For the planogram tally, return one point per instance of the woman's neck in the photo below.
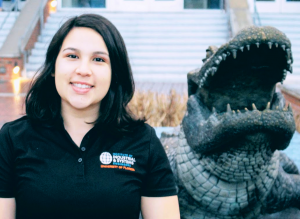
(77, 121)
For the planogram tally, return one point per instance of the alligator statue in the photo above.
(225, 155)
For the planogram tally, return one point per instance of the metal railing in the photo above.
(39, 17)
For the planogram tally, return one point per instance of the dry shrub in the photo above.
(159, 109)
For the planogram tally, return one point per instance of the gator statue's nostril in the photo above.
(225, 155)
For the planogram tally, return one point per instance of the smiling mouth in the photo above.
(82, 86)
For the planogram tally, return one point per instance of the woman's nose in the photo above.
(84, 69)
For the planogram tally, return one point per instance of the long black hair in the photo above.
(43, 103)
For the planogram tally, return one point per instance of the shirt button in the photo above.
(80, 160)
(83, 149)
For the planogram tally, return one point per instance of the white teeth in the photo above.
(270, 45)
(82, 85)
(224, 56)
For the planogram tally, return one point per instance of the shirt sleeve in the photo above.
(160, 181)
(6, 164)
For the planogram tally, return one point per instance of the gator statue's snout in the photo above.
(225, 154)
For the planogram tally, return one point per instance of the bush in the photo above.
(159, 109)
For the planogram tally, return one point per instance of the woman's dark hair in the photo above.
(43, 103)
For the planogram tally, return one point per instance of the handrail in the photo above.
(39, 16)
(256, 15)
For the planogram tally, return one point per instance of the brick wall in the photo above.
(295, 102)
(6, 68)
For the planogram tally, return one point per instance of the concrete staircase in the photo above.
(162, 47)
(7, 20)
(290, 25)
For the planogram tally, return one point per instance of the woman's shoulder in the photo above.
(18, 124)
(143, 129)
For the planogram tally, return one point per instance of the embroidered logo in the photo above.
(119, 161)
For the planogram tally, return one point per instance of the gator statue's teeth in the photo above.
(234, 53)
(238, 50)
(224, 56)
(253, 106)
(270, 45)
(268, 106)
(228, 108)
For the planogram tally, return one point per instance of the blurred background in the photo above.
(165, 40)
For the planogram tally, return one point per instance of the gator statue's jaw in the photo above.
(234, 95)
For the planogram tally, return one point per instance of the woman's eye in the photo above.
(98, 60)
(72, 56)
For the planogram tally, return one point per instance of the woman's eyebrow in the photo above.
(96, 52)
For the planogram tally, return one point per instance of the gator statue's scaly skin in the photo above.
(225, 155)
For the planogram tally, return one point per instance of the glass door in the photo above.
(268, 5)
(203, 4)
(290, 6)
(82, 3)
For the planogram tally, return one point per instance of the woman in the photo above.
(78, 153)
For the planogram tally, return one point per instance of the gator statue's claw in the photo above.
(226, 156)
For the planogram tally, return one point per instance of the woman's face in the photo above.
(82, 70)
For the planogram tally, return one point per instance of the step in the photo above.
(149, 21)
(221, 29)
(2, 38)
(167, 35)
(158, 44)
(4, 32)
(141, 15)
(279, 16)
(7, 26)
(161, 50)
(161, 69)
(153, 42)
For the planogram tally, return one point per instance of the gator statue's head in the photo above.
(238, 82)
(227, 163)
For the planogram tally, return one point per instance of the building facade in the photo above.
(272, 6)
(142, 5)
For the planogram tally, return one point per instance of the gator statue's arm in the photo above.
(226, 156)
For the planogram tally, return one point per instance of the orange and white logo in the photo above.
(117, 161)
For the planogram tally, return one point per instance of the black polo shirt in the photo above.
(51, 177)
